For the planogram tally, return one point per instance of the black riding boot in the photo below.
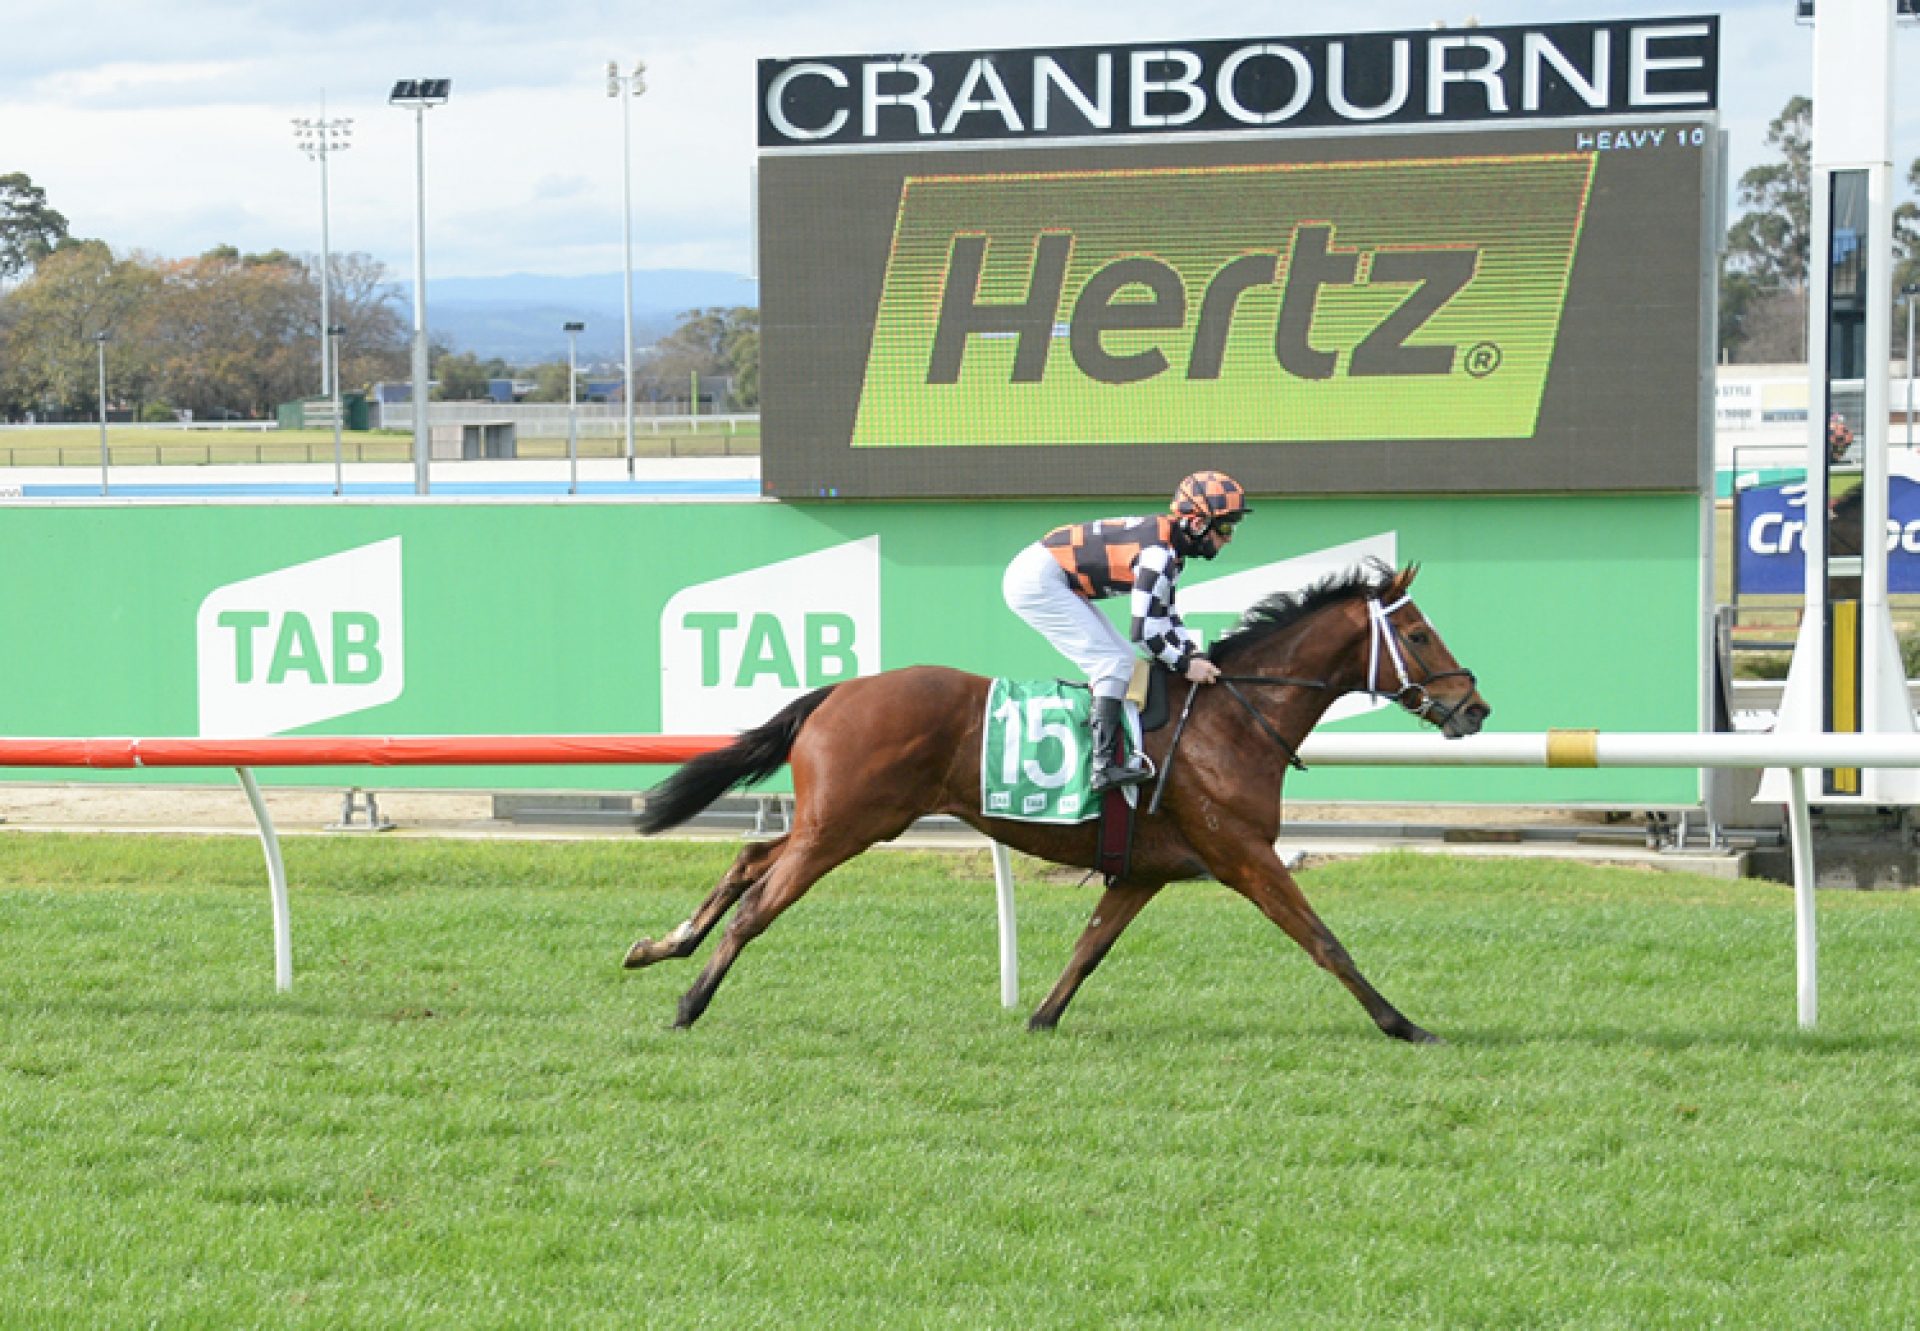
(1108, 767)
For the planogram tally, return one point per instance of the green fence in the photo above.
(546, 618)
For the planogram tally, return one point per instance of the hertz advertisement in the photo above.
(1468, 310)
(1279, 318)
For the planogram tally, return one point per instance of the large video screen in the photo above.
(1481, 310)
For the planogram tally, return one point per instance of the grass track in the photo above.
(467, 1116)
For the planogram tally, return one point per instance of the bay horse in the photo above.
(873, 754)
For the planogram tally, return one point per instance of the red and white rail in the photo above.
(1797, 753)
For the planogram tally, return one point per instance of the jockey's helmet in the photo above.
(1207, 497)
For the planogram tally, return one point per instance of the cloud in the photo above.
(164, 126)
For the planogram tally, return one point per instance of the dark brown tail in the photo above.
(752, 758)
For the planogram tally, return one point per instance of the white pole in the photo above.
(1908, 291)
(1806, 965)
(421, 451)
(321, 147)
(276, 884)
(339, 480)
(1009, 927)
(320, 139)
(573, 418)
(100, 343)
(627, 89)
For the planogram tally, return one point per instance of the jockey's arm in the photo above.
(1156, 627)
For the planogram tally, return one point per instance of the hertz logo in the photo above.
(1106, 304)
(1354, 300)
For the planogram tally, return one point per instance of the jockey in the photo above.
(1052, 583)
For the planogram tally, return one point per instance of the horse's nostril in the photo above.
(1479, 711)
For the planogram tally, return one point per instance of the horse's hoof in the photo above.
(1416, 1035)
(640, 954)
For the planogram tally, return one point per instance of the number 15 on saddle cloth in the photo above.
(1035, 759)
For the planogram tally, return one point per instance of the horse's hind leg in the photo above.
(749, 867)
(1115, 911)
(1257, 874)
(804, 863)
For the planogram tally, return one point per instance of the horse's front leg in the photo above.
(1251, 868)
(1115, 911)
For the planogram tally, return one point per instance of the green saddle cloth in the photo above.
(1035, 763)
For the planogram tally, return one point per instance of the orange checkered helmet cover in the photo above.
(1207, 496)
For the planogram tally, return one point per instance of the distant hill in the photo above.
(518, 317)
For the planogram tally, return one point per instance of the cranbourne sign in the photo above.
(1462, 262)
(1399, 79)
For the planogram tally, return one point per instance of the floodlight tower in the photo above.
(319, 139)
(633, 85)
(421, 95)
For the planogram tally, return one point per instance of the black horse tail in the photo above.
(756, 755)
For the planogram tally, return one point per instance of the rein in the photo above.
(1413, 695)
(1173, 745)
(1293, 754)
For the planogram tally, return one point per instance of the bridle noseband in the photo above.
(1412, 694)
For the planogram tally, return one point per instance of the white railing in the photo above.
(1797, 753)
(548, 420)
(182, 426)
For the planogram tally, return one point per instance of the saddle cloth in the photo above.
(1035, 758)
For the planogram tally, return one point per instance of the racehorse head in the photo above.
(1386, 647)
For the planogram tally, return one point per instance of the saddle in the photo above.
(1148, 692)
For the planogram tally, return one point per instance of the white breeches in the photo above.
(1037, 590)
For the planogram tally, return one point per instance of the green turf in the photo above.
(467, 1116)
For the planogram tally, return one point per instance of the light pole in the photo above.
(420, 94)
(634, 84)
(573, 415)
(319, 140)
(1910, 290)
(100, 347)
(334, 333)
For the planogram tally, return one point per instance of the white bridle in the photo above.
(1411, 694)
(1382, 634)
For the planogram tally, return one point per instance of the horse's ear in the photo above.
(1401, 581)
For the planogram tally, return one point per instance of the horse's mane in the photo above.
(1283, 610)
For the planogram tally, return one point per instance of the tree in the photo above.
(463, 376)
(1765, 276)
(375, 346)
(221, 335)
(228, 330)
(550, 383)
(743, 360)
(29, 229)
(238, 334)
(713, 343)
(1763, 287)
(1769, 241)
(48, 353)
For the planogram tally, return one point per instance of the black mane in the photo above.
(1282, 610)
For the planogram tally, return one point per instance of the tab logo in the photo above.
(303, 644)
(736, 650)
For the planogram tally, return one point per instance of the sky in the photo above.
(165, 127)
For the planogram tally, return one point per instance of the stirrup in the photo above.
(1137, 770)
